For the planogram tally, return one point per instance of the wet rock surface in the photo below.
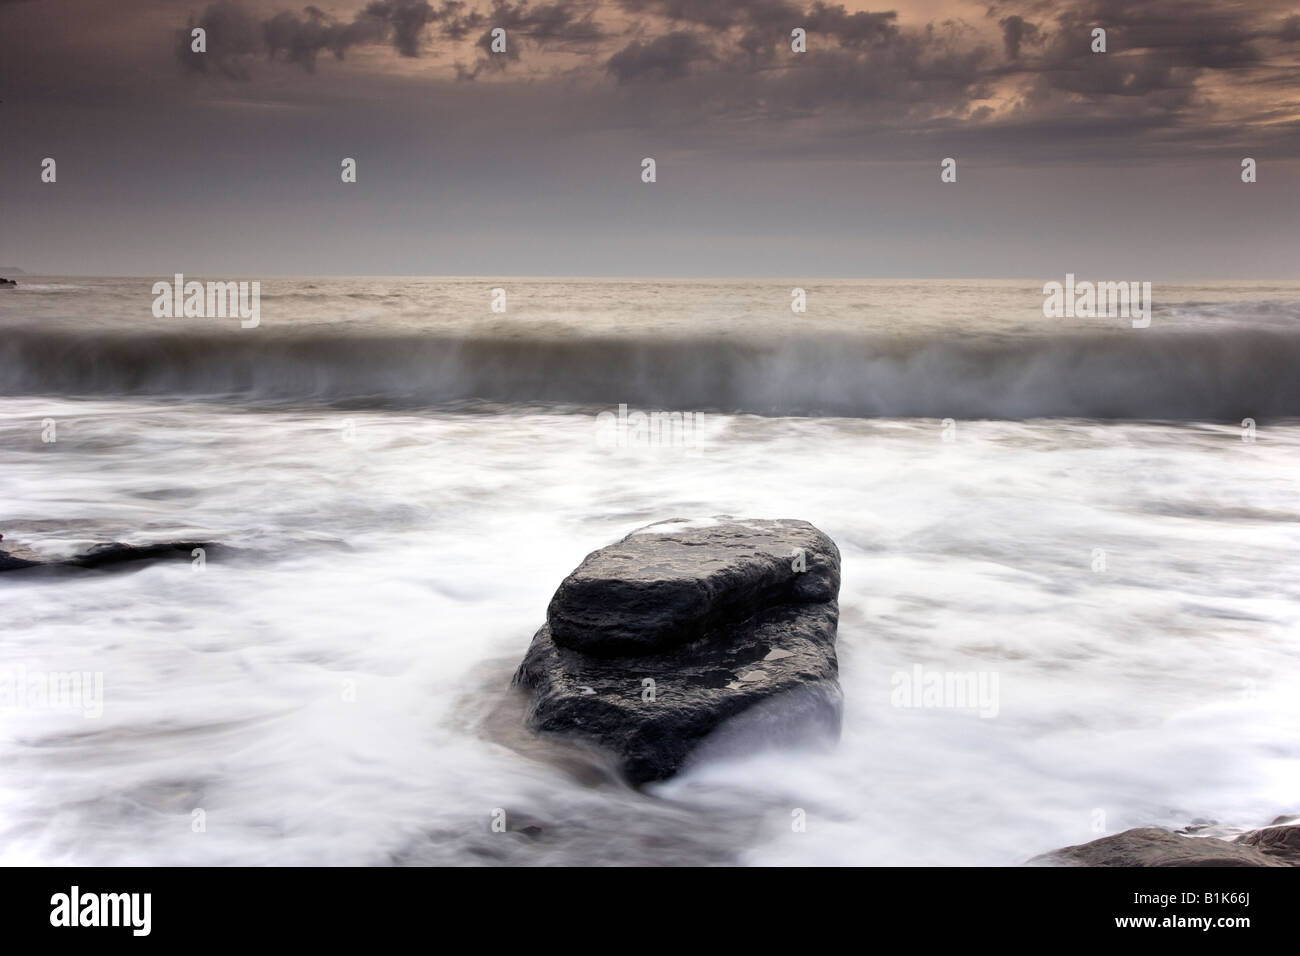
(657, 641)
(109, 555)
(1149, 846)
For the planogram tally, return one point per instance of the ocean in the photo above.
(1103, 521)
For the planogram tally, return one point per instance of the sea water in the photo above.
(1073, 513)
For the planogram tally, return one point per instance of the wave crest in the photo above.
(1189, 375)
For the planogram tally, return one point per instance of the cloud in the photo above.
(235, 35)
(854, 31)
(567, 24)
(561, 22)
(232, 36)
(715, 14)
(402, 20)
(1015, 31)
(663, 58)
(1171, 66)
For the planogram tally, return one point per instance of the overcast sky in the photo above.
(1119, 165)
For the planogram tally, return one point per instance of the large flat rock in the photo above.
(672, 582)
(655, 642)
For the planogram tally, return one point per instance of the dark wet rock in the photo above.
(14, 557)
(1154, 847)
(115, 552)
(660, 639)
(7, 283)
(107, 555)
(672, 582)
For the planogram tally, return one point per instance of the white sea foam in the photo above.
(413, 563)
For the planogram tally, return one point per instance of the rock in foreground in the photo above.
(658, 639)
(1281, 840)
(1271, 846)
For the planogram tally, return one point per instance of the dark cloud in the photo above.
(1171, 69)
(663, 58)
(774, 18)
(457, 22)
(561, 25)
(855, 31)
(1015, 31)
(234, 34)
(562, 22)
(1025, 64)
(301, 39)
(404, 20)
(708, 13)
(1157, 53)
(748, 36)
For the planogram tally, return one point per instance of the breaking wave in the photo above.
(1156, 376)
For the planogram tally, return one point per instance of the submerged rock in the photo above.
(654, 642)
(1272, 846)
(115, 552)
(108, 554)
(14, 557)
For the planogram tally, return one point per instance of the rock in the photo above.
(115, 552)
(1280, 842)
(671, 583)
(16, 557)
(654, 642)
(1154, 847)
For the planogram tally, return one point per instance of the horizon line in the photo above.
(634, 277)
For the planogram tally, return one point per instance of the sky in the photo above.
(769, 163)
